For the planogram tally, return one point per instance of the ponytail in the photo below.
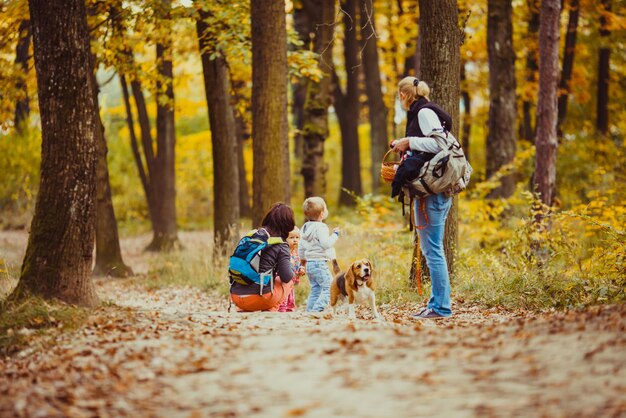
(412, 89)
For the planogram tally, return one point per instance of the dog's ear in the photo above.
(350, 278)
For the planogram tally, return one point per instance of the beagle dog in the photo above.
(355, 285)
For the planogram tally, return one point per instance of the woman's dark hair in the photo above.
(279, 220)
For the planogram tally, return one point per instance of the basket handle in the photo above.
(386, 154)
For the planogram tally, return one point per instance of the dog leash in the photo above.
(416, 254)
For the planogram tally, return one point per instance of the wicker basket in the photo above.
(388, 169)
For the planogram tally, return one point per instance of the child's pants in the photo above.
(320, 279)
(289, 304)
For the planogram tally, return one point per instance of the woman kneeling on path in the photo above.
(278, 222)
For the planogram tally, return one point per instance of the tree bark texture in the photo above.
(441, 71)
(224, 141)
(373, 88)
(347, 109)
(532, 67)
(546, 142)
(109, 259)
(59, 254)
(163, 177)
(271, 179)
(315, 128)
(502, 102)
(22, 107)
(602, 112)
(568, 61)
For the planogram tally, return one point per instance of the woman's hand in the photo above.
(400, 145)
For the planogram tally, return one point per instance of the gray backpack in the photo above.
(447, 172)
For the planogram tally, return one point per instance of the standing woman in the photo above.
(278, 222)
(423, 118)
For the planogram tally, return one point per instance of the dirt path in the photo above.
(177, 352)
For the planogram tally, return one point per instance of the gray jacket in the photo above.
(317, 242)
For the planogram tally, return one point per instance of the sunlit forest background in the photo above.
(580, 258)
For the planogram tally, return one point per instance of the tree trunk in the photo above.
(224, 140)
(22, 107)
(347, 109)
(373, 88)
(143, 175)
(528, 132)
(568, 62)
(163, 178)
(546, 143)
(602, 121)
(315, 130)
(244, 190)
(302, 25)
(441, 70)
(108, 252)
(502, 103)
(59, 254)
(271, 180)
(467, 114)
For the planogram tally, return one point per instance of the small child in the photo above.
(289, 304)
(316, 249)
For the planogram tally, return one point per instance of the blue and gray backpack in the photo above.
(243, 267)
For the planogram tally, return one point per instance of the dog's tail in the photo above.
(336, 268)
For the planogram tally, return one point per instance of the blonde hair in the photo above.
(313, 208)
(412, 88)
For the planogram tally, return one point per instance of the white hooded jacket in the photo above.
(316, 242)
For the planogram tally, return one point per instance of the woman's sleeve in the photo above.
(326, 239)
(417, 143)
(284, 269)
(428, 122)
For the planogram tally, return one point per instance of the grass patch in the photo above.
(194, 266)
(24, 322)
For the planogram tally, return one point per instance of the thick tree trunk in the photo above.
(59, 254)
(373, 87)
(163, 177)
(602, 112)
(347, 109)
(224, 140)
(568, 62)
(546, 143)
(108, 252)
(467, 114)
(271, 180)
(441, 71)
(315, 129)
(528, 131)
(502, 103)
(22, 107)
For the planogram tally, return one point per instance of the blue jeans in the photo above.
(431, 244)
(320, 279)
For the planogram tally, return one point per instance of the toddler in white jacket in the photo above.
(315, 250)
